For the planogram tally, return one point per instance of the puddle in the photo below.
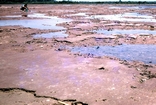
(133, 7)
(39, 15)
(34, 15)
(47, 22)
(51, 35)
(78, 14)
(146, 7)
(134, 17)
(144, 53)
(125, 32)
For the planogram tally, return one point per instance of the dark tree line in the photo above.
(21, 1)
(71, 2)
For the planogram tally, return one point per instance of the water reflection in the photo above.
(78, 14)
(135, 17)
(39, 23)
(34, 15)
(144, 53)
(46, 22)
(125, 32)
(133, 7)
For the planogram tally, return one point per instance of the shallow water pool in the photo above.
(125, 32)
(144, 53)
(133, 17)
(42, 22)
(133, 7)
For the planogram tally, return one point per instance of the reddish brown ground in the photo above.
(36, 72)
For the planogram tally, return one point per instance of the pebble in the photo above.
(133, 87)
(48, 100)
(138, 69)
(41, 46)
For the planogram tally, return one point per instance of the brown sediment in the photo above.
(44, 70)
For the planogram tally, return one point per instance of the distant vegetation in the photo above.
(66, 2)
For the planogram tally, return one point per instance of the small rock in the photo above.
(117, 22)
(48, 100)
(98, 47)
(110, 29)
(142, 80)
(133, 87)
(28, 42)
(41, 46)
(151, 27)
(59, 49)
(101, 68)
(119, 43)
(104, 99)
(138, 69)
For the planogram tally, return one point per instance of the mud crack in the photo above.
(60, 101)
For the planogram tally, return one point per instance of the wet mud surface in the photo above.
(61, 55)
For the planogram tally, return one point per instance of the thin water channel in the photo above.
(138, 52)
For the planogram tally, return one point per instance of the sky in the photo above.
(108, 0)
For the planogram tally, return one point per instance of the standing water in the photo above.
(133, 17)
(144, 53)
(42, 22)
(125, 32)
